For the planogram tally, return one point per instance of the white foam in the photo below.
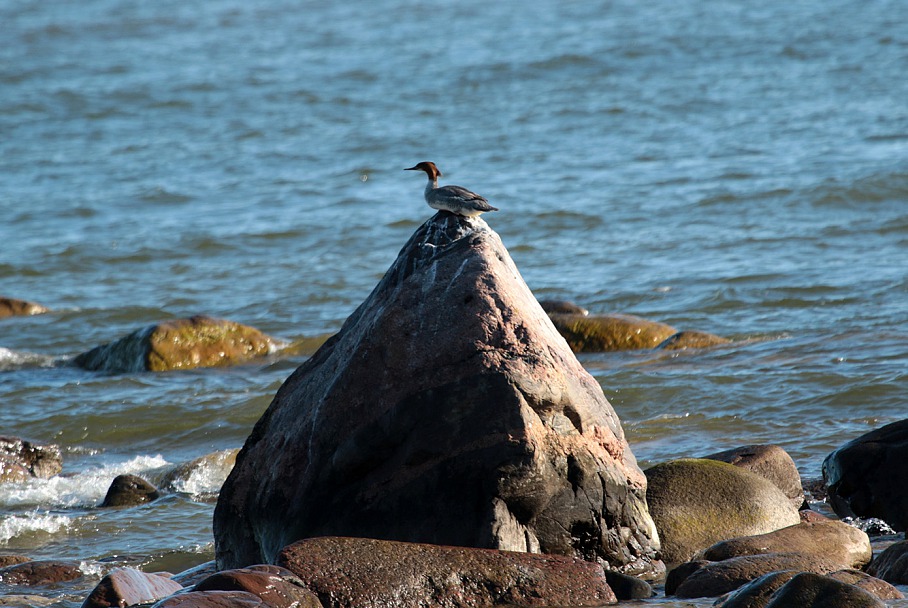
(14, 526)
(208, 477)
(12, 360)
(84, 489)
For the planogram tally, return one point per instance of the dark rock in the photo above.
(446, 410)
(876, 586)
(40, 572)
(11, 307)
(684, 340)
(867, 476)
(127, 587)
(366, 573)
(758, 592)
(892, 564)
(697, 502)
(837, 542)
(679, 573)
(717, 578)
(605, 333)
(213, 599)
(562, 307)
(810, 590)
(193, 575)
(42, 461)
(627, 587)
(771, 462)
(278, 587)
(198, 341)
(129, 491)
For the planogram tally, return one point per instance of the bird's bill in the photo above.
(417, 168)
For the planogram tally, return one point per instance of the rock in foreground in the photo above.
(697, 502)
(448, 410)
(198, 341)
(363, 573)
(127, 587)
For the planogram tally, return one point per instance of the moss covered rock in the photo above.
(697, 502)
(198, 341)
(692, 339)
(603, 333)
(11, 307)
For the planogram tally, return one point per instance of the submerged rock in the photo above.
(562, 307)
(447, 410)
(198, 341)
(769, 461)
(127, 587)
(18, 456)
(867, 476)
(604, 333)
(40, 572)
(697, 502)
(11, 307)
(692, 339)
(363, 572)
(129, 491)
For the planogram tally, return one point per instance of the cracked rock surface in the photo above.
(447, 410)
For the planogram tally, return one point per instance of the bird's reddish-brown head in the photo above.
(427, 166)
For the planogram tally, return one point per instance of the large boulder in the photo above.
(198, 341)
(11, 307)
(604, 333)
(769, 461)
(369, 573)
(697, 502)
(867, 476)
(833, 540)
(447, 410)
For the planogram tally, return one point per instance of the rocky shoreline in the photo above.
(446, 448)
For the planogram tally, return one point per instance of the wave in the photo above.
(12, 360)
(85, 489)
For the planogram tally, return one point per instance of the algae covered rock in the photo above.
(447, 410)
(198, 341)
(769, 461)
(11, 307)
(684, 340)
(604, 333)
(697, 502)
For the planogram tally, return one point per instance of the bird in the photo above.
(455, 199)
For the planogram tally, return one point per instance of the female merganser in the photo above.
(451, 198)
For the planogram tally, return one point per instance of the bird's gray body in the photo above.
(455, 199)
